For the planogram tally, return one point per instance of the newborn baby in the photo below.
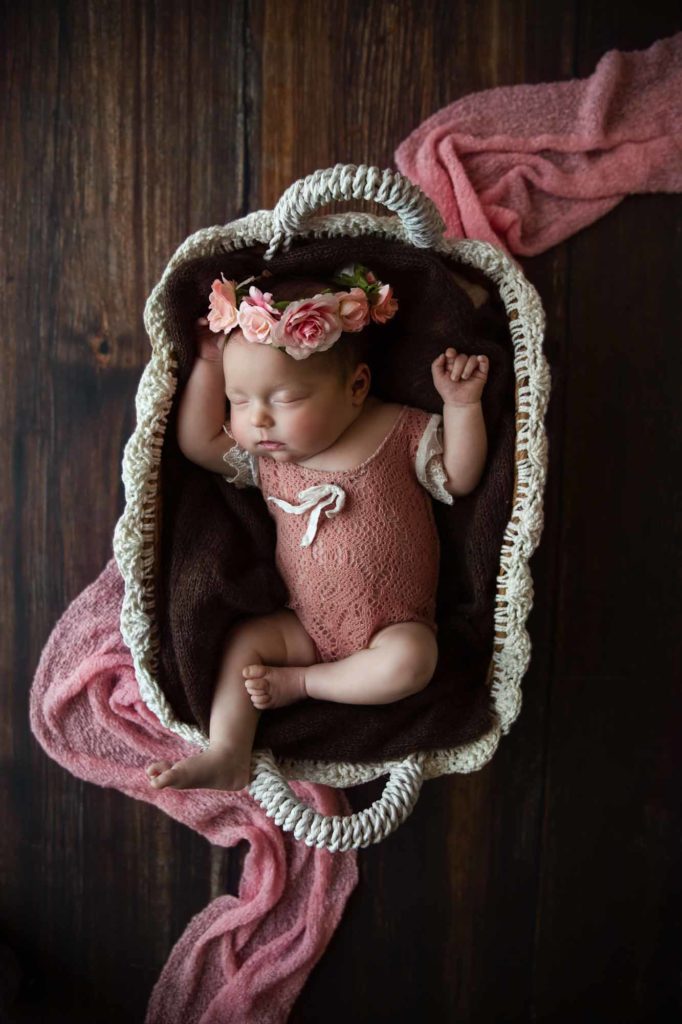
(348, 480)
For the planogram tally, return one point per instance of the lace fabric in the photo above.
(243, 464)
(429, 465)
(357, 548)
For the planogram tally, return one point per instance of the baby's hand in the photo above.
(459, 379)
(209, 345)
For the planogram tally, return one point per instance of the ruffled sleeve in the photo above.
(429, 461)
(242, 466)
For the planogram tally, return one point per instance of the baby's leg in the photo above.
(400, 660)
(225, 764)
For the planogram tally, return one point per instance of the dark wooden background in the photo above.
(545, 887)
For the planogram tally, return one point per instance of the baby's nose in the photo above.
(260, 416)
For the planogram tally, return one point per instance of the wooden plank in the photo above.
(103, 136)
(611, 831)
(608, 936)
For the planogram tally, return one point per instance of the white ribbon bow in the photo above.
(315, 499)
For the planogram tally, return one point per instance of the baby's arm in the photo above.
(460, 379)
(201, 412)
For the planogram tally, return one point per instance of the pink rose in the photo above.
(382, 305)
(222, 306)
(256, 323)
(257, 316)
(353, 309)
(308, 325)
(257, 298)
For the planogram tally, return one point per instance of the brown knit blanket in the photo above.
(215, 552)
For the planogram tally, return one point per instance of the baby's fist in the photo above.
(209, 345)
(459, 379)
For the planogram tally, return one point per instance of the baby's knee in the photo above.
(277, 638)
(423, 663)
(257, 636)
(412, 657)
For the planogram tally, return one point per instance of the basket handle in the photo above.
(336, 832)
(422, 221)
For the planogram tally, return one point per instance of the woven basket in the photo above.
(415, 222)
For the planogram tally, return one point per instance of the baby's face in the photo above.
(274, 398)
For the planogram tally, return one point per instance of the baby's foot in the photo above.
(274, 686)
(214, 768)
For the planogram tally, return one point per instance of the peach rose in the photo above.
(382, 305)
(353, 309)
(222, 306)
(256, 323)
(257, 316)
(308, 325)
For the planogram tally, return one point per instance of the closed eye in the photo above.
(278, 401)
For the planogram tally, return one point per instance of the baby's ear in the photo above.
(361, 382)
(363, 374)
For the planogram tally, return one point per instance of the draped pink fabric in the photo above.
(525, 166)
(244, 958)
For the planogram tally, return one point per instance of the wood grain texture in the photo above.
(544, 887)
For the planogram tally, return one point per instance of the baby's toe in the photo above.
(260, 700)
(165, 778)
(156, 767)
(257, 685)
(253, 671)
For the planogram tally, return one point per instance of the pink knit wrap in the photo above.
(243, 958)
(525, 166)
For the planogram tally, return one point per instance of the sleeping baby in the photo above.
(349, 481)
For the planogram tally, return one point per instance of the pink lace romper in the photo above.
(372, 559)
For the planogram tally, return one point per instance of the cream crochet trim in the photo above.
(242, 462)
(431, 475)
(135, 532)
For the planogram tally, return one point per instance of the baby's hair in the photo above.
(352, 348)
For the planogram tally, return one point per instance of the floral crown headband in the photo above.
(302, 326)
